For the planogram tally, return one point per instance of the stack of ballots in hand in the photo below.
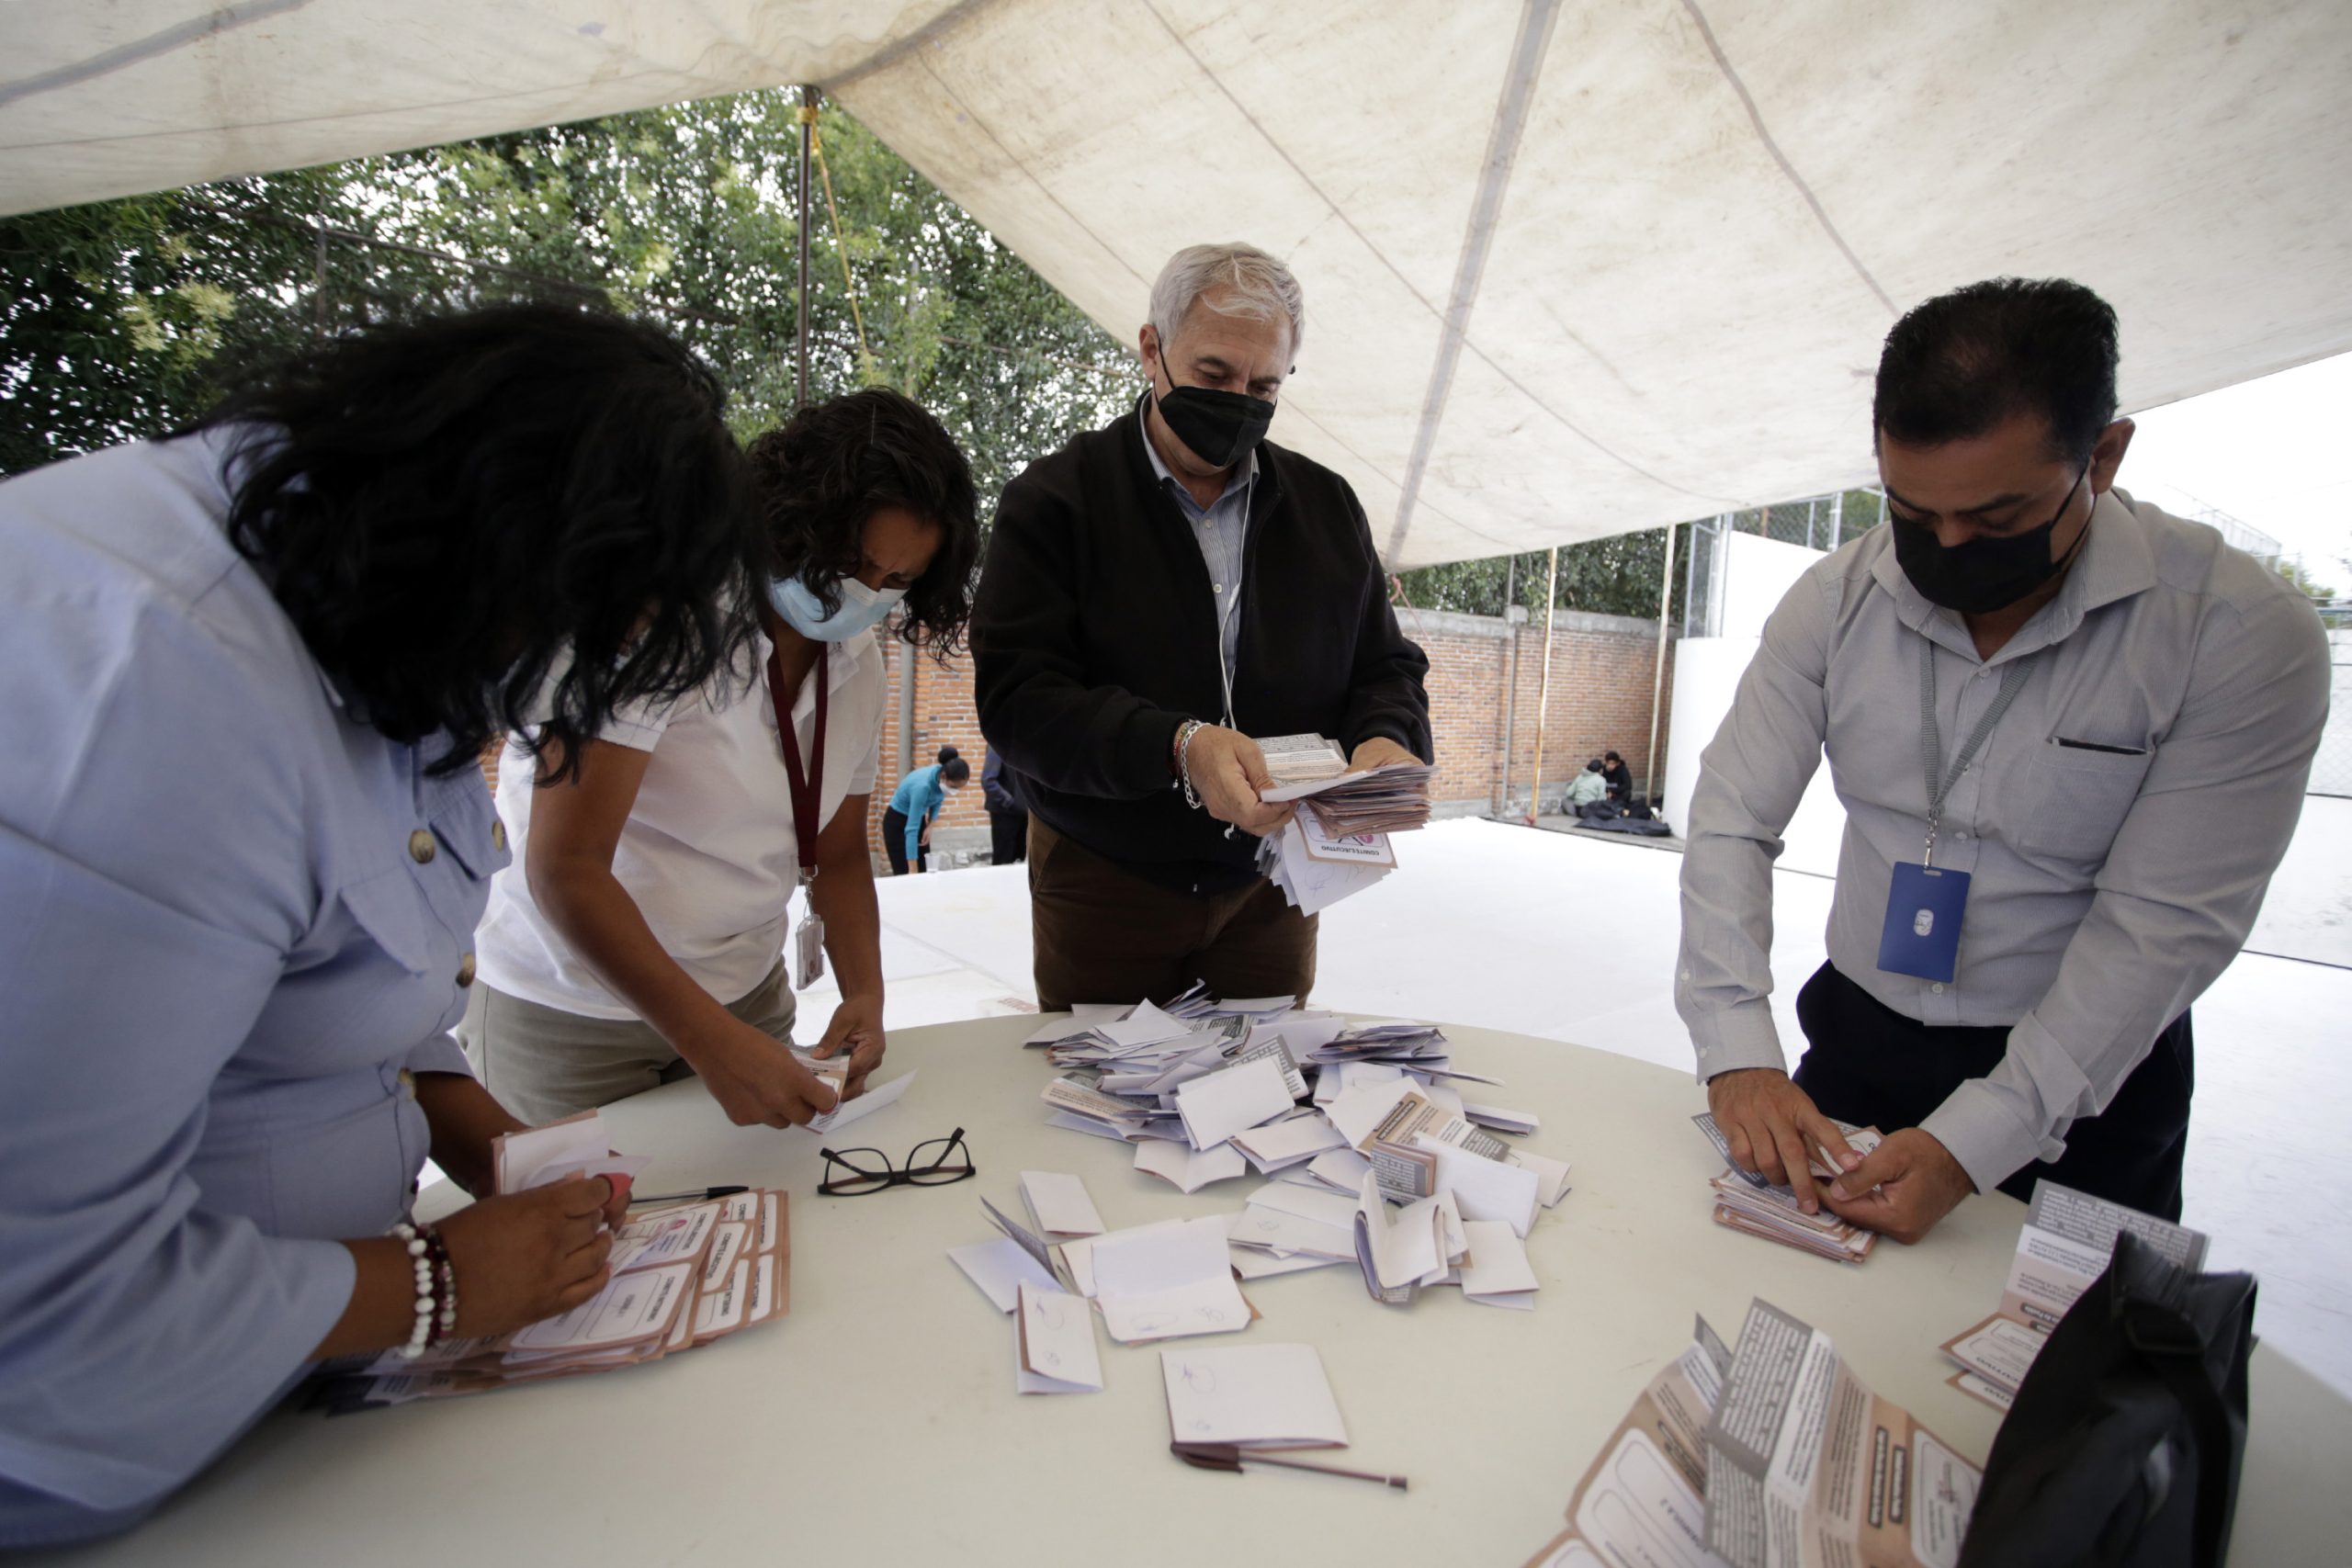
(1225, 1089)
(1336, 841)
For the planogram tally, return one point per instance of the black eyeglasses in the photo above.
(853, 1173)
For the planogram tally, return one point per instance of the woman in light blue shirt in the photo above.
(921, 795)
(244, 677)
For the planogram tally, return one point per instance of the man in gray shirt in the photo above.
(2071, 734)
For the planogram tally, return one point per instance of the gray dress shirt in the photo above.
(2109, 887)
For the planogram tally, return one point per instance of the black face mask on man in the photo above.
(1219, 428)
(1984, 574)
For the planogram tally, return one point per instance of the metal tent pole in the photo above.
(1510, 679)
(808, 131)
(1543, 691)
(1657, 675)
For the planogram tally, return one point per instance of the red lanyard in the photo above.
(807, 792)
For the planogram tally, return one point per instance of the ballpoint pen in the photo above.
(703, 1196)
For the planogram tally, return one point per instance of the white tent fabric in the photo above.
(1571, 270)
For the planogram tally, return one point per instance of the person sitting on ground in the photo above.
(637, 941)
(921, 795)
(1588, 792)
(1619, 778)
(245, 842)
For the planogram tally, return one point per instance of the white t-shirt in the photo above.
(708, 851)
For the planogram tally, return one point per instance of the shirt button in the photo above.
(466, 970)
(1216, 587)
(497, 833)
(1938, 987)
(1962, 837)
(420, 847)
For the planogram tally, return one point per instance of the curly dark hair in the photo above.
(517, 518)
(837, 463)
(1958, 365)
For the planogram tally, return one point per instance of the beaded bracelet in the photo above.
(419, 1256)
(444, 1275)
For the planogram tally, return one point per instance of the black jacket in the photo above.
(1094, 635)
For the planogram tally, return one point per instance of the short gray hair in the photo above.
(1259, 287)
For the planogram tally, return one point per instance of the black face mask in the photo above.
(1219, 428)
(1984, 574)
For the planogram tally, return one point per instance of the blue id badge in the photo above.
(1923, 913)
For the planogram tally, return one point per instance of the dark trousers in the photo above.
(1101, 933)
(1007, 836)
(1867, 1063)
(894, 842)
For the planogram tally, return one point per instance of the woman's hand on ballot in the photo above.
(755, 1080)
(529, 1256)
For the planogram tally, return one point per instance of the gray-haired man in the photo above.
(1156, 593)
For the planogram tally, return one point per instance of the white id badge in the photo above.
(808, 952)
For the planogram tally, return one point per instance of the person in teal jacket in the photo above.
(906, 826)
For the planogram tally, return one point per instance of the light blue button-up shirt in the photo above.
(220, 949)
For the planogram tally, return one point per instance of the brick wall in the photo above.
(1602, 672)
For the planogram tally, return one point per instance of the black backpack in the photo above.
(2125, 1444)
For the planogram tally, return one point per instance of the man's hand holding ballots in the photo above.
(1341, 813)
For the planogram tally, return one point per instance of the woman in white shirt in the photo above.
(636, 938)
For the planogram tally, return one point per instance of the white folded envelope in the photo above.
(1485, 1188)
(1497, 1272)
(1057, 1201)
(1191, 1169)
(1219, 1104)
(1053, 1344)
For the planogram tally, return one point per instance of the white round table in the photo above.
(878, 1423)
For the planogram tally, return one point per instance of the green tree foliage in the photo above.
(126, 317)
(1619, 576)
(1616, 576)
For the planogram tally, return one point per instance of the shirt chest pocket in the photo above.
(2072, 801)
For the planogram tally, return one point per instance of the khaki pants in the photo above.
(1101, 933)
(543, 1064)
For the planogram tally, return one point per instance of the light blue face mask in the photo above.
(805, 613)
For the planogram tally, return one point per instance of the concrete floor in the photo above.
(1569, 937)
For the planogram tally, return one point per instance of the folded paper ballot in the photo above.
(1485, 1188)
(1416, 1246)
(1312, 881)
(1259, 1396)
(1188, 1169)
(1290, 1141)
(1648, 1484)
(1220, 1104)
(1053, 1343)
(1805, 1464)
(1749, 1203)
(1497, 1272)
(999, 1267)
(1058, 1203)
(560, 1151)
(1167, 1282)
(880, 1097)
(2063, 1248)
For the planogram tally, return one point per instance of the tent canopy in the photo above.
(1571, 270)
